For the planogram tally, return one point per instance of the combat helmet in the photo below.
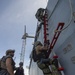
(21, 63)
(38, 43)
(9, 51)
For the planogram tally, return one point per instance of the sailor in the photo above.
(20, 70)
(43, 62)
(7, 63)
(40, 13)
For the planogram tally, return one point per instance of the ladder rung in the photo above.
(55, 56)
(46, 28)
(60, 69)
(47, 33)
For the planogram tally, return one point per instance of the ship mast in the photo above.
(22, 55)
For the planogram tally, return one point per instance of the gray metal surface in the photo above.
(60, 11)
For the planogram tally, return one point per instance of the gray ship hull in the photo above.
(60, 11)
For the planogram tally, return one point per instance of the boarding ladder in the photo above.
(54, 40)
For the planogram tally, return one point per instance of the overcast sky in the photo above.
(14, 14)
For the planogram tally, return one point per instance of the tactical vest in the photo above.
(41, 55)
(3, 62)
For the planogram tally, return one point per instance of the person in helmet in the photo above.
(20, 70)
(7, 63)
(39, 14)
(42, 61)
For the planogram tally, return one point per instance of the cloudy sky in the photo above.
(14, 15)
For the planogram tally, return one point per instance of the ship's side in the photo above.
(60, 12)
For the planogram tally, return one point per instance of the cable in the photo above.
(69, 23)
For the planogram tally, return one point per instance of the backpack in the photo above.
(34, 56)
(2, 62)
